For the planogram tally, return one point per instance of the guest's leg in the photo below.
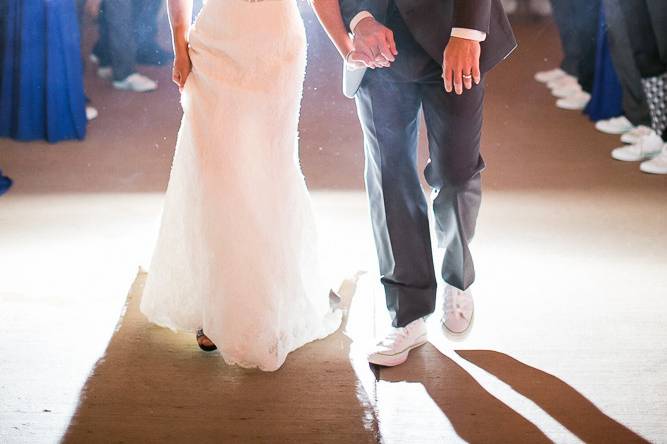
(658, 85)
(586, 16)
(563, 11)
(634, 100)
(642, 38)
(389, 113)
(101, 48)
(657, 10)
(119, 19)
(146, 28)
(642, 16)
(454, 125)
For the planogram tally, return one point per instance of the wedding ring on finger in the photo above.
(467, 76)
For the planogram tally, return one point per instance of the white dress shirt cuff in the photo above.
(359, 17)
(470, 34)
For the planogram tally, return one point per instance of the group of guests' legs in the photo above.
(629, 97)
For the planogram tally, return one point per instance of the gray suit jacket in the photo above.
(431, 23)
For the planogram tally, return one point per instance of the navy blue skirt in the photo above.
(41, 73)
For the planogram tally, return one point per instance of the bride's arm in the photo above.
(329, 14)
(180, 18)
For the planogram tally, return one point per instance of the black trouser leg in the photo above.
(635, 106)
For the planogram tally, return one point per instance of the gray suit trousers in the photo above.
(389, 107)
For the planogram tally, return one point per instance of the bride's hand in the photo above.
(358, 60)
(181, 69)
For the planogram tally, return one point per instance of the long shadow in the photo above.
(554, 396)
(475, 415)
(156, 386)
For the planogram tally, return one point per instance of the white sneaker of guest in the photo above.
(561, 82)
(567, 90)
(647, 147)
(91, 112)
(634, 135)
(105, 72)
(394, 348)
(510, 6)
(615, 125)
(541, 7)
(459, 310)
(575, 102)
(550, 76)
(657, 165)
(137, 83)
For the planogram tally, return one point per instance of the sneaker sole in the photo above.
(612, 131)
(634, 159)
(651, 171)
(570, 107)
(398, 359)
(125, 88)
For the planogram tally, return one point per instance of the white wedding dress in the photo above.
(236, 253)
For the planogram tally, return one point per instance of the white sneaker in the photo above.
(646, 148)
(567, 90)
(657, 165)
(560, 82)
(634, 135)
(394, 348)
(575, 102)
(93, 58)
(615, 125)
(551, 75)
(510, 6)
(459, 310)
(105, 72)
(137, 83)
(91, 112)
(540, 7)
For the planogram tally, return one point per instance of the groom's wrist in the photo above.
(358, 18)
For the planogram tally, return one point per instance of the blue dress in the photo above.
(607, 96)
(41, 73)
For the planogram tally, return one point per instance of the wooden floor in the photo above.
(569, 341)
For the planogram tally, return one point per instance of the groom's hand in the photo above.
(461, 64)
(376, 41)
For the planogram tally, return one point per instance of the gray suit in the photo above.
(388, 103)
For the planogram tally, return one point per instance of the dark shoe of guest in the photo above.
(5, 184)
(204, 342)
(154, 56)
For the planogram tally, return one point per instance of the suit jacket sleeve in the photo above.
(472, 14)
(350, 8)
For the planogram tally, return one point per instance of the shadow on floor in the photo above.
(562, 402)
(156, 386)
(477, 416)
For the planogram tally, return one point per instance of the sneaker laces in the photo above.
(394, 335)
(454, 303)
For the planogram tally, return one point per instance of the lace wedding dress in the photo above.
(236, 253)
